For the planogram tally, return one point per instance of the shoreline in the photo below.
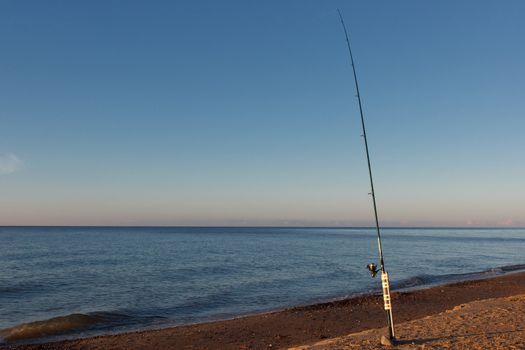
(301, 324)
(412, 284)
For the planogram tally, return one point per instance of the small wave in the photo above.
(56, 326)
(513, 268)
(411, 282)
(8, 288)
(429, 280)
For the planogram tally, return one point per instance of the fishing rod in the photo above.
(372, 267)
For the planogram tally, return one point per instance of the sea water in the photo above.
(89, 280)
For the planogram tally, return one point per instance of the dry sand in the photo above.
(465, 329)
(488, 324)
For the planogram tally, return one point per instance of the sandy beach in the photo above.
(487, 324)
(424, 318)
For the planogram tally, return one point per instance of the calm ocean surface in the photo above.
(140, 277)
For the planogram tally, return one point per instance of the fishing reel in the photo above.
(373, 269)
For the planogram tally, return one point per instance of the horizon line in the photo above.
(272, 226)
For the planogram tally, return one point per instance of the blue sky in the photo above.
(243, 113)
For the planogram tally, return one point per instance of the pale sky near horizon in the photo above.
(243, 113)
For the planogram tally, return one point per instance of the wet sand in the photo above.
(308, 324)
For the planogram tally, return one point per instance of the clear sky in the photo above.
(243, 112)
